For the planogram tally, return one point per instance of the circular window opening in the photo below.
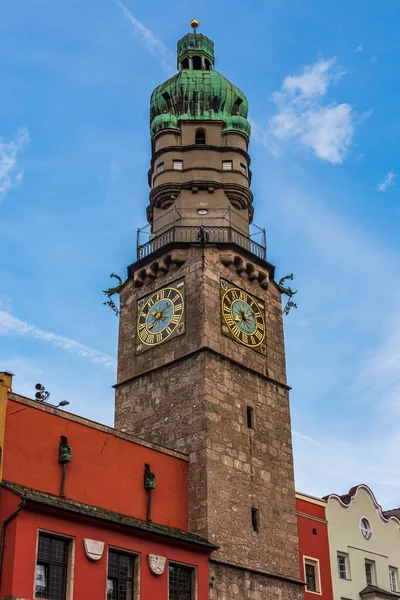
(202, 211)
(366, 529)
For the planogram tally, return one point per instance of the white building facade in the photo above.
(364, 547)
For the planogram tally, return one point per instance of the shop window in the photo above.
(51, 568)
(177, 165)
(120, 576)
(180, 582)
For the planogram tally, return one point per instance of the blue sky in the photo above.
(323, 91)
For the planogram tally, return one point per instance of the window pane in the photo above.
(125, 590)
(113, 564)
(111, 595)
(125, 566)
(310, 578)
(44, 548)
(180, 582)
(41, 581)
(56, 582)
(58, 551)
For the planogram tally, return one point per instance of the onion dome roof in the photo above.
(198, 92)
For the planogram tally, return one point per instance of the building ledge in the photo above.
(373, 591)
(37, 497)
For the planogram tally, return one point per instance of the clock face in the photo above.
(242, 317)
(160, 316)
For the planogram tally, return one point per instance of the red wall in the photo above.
(105, 470)
(314, 546)
(90, 577)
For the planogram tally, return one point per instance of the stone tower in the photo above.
(201, 364)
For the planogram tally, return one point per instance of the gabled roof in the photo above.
(346, 500)
(374, 590)
(30, 495)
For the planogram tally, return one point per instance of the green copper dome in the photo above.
(198, 92)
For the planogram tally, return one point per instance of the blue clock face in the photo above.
(160, 316)
(244, 316)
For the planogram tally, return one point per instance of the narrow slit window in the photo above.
(177, 165)
(250, 417)
(227, 165)
(243, 168)
(393, 578)
(160, 167)
(255, 519)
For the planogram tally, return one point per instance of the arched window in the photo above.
(200, 136)
(185, 63)
(197, 63)
(236, 106)
(207, 64)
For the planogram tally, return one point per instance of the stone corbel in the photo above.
(162, 266)
(240, 265)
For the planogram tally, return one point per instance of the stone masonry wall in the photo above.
(192, 393)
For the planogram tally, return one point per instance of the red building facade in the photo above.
(314, 558)
(85, 528)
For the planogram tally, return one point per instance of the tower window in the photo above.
(255, 519)
(167, 99)
(207, 64)
(185, 63)
(250, 418)
(227, 165)
(177, 165)
(200, 136)
(160, 167)
(197, 63)
(243, 168)
(235, 108)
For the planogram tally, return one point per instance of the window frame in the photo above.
(70, 562)
(370, 563)
(345, 556)
(194, 578)
(135, 571)
(175, 163)
(394, 570)
(366, 528)
(313, 562)
(227, 162)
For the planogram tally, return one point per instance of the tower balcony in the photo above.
(204, 232)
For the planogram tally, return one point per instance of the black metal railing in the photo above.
(203, 235)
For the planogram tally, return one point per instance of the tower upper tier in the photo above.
(197, 92)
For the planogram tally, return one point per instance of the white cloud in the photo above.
(387, 182)
(359, 48)
(10, 324)
(325, 128)
(9, 149)
(153, 43)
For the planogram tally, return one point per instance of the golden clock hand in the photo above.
(150, 326)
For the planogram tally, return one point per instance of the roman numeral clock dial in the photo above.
(160, 316)
(243, 317)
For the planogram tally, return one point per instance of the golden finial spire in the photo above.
(194, 23)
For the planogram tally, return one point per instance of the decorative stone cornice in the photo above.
(162, 265)
(240, 265)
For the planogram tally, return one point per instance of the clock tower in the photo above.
(201, 364)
